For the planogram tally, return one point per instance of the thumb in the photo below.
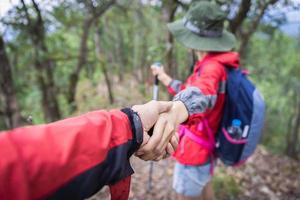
(164, 106)
(154, 71)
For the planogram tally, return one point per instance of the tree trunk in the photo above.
(47, 87)
(43, 64)
(143, 61)
(137, 41)
(289, 132)
(120, 54)
(241, 15)
(11, 109)
(100, 56)
(169, 9)
(244, 45)
(245, 33)
(292, 150)
(74, 77)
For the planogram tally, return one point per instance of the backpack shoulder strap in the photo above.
(208, 144)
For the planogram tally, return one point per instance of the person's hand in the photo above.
(150, 112)
(170, 149)
(161, 74)
(164, 140)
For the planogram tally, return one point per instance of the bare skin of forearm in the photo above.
(165, 79)
(180, 111)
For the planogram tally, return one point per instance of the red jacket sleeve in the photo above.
(201, 93)
(209, 78)
(38, 160)
(175, 86)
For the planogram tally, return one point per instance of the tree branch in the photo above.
(183, 5)
(26, 12)
(253, 26)
(83, 49)
(241, 15)
(38, 11)
(246, 34)
(101, 10)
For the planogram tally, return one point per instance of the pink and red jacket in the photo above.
(69, 159)
(203, 94)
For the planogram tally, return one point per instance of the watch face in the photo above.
(138, 128)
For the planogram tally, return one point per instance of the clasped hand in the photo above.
(165, 117)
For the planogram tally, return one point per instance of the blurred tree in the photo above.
(11, 111)
(293, 131)
(101, 58)
(35, 28)
(274, 61)
(169, 9)
(94, 10)
(243, 30)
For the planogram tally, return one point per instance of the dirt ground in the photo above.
(263, 177)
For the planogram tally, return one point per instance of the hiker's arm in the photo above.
(201, 95)
(71, 157)
(36, 160)
(173, 86)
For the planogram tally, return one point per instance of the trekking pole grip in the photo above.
(156, 64)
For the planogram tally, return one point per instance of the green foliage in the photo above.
(225, 187)
(274, 62)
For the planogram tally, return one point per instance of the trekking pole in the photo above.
(155, 97)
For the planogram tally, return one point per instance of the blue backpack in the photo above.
(243, 101)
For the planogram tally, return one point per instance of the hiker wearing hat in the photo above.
(203, 94)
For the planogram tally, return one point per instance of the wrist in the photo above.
(181, 111)
(165, 79)
(136, 128)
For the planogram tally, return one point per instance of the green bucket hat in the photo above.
(202, 29)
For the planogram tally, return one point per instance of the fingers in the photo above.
(164, 139)
(162, 156)
(150, 150)
(164, 106)
(154, 70)
(169, 131)
(150, 111)
(159, 144)
(158, 134)
(170, 149)
(148, 156)
(146, 138)
(174, 142)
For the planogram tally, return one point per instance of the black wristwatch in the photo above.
(136, 127)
